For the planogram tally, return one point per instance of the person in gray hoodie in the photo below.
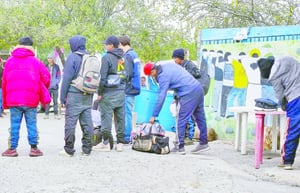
(112, 98)
(78, 104)
(284, 75)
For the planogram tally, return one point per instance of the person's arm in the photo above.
(162, 93)
(129, 66)
(69, 71)
(58, 75)
(278, 88)
(44, 74)
(104, 73)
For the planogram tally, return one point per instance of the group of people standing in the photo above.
(25, 76)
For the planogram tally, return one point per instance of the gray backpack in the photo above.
(89, 74)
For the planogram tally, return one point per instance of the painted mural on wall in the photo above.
(235, 74)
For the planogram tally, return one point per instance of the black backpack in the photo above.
(200, 75)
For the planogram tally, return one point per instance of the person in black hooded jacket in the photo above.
(112, 98)
(78, 104)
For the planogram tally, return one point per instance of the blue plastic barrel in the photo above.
(144, 107)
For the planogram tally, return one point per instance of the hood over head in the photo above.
(78, 43)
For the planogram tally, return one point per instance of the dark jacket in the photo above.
(200, 75)
(55, 76)
(132, 65)
(109, 64)
(72, 66)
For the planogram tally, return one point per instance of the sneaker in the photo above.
(102, 147)
(119, 147)
(64, 153)
(200, 148)
(286, 166)
(176, 150)
(46, 117)
(35, 152)
(56, 117)
(10, 153)
(188, 141)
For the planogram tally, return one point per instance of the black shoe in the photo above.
(111, 141)
(97, 137)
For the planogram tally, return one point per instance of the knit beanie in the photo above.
(51, 56)
(179, 53)
(26, 41)
(265, 66)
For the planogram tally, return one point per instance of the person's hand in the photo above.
(99, 98)
(152, 120)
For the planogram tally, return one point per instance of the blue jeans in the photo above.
(192, 128)
(16, 115)
(129, 106)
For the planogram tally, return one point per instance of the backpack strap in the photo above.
(78, 71)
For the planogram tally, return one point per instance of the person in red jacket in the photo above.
(22, 81)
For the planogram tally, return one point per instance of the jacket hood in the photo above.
(77, 44)
(282, 66)
(117, 52)
(21, 51)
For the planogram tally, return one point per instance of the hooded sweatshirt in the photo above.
(22, 78)
(72, 66)
(174, 77)
(285, 78)
(109, 66)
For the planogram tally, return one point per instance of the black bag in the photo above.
(198, 74)
(152, 143)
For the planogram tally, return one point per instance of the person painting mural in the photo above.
(283, 74)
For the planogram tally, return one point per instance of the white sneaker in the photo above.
(102, 147)
(46, 117)
(56, 117)
(119, 147)
(64, 153)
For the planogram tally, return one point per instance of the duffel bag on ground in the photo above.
(152, 144)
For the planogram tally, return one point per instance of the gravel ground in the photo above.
(219, 170)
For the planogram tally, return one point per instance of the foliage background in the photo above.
(156, 27)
